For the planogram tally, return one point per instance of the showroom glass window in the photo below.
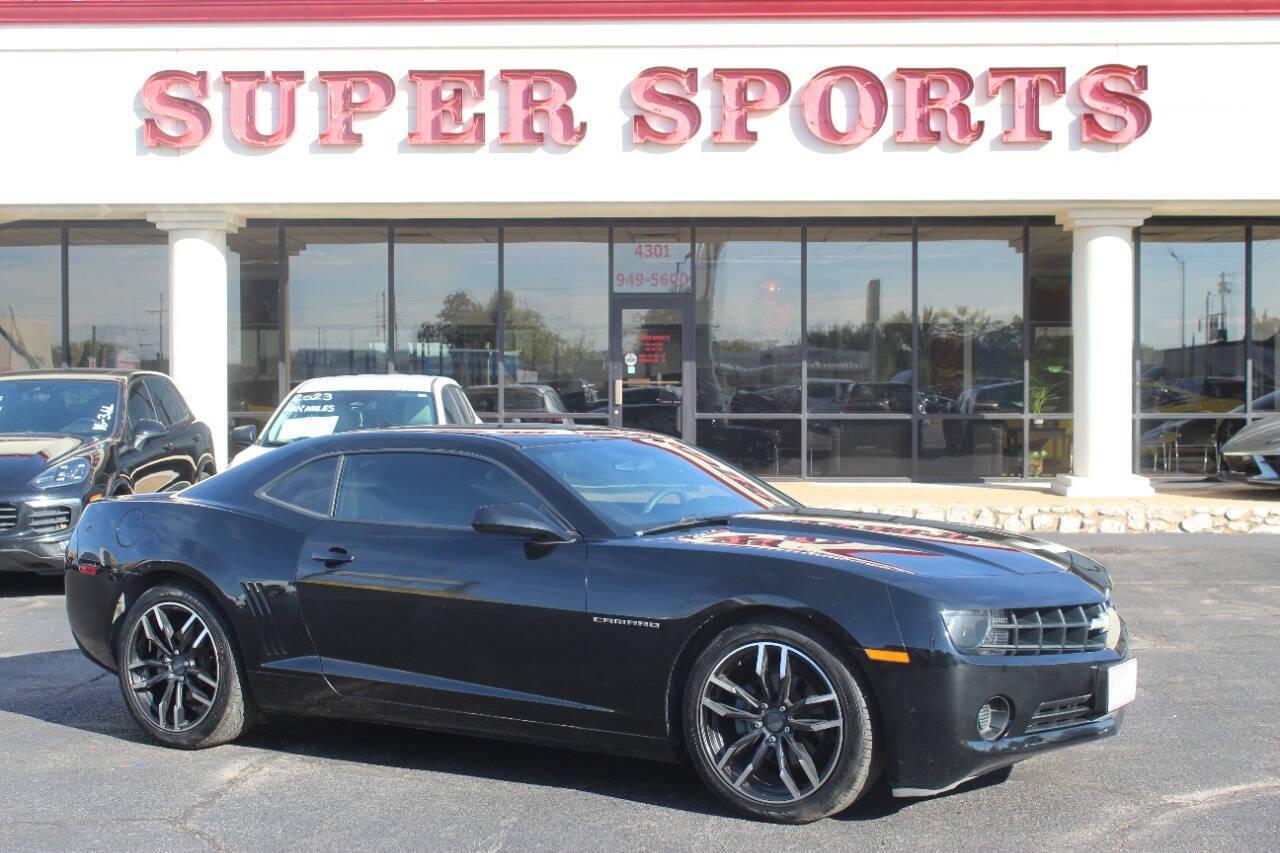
(858, 286)
(119, 296)
(337, 300)
(1265, 317)
(652, 258)
(255, 293)
(970, 358)
(1049, 356)
(30, 298)
(556, 313)
(1191, 332)
(446, 302)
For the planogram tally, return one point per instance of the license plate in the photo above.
(1122, 684)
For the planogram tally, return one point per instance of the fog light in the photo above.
(993, 718)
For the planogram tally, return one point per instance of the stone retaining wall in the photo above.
(1101, 518)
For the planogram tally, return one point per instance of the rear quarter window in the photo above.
(308, 488)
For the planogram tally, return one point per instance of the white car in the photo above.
(343, 403)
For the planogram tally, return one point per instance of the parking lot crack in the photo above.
(1179, 806)
(246, 774)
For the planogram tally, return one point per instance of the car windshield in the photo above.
(646, 481)
(307, 415)
(84, 407)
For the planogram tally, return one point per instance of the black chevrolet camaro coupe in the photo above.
(71, 437)
(603, 589)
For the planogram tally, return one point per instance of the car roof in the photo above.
(519, 435)
(375, 382)
(115, 373)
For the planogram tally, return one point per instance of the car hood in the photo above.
(23, 457)
(1262, 438)
(892, 544)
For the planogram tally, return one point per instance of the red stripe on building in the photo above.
(248, 11)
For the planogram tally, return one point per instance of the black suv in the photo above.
(70, 437)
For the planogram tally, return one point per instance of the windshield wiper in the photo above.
(687, 521)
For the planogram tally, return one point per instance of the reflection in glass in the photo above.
(30, 298)
(337, 300)
(1188, 445)
(1049, 309)
(1048, 447)
(859, 335)
(857, 448)
(1265, 316)
(1192, 318)
(119, 309)
(971, 317)
(447, 302)
(748, 319)
(766, 448)
(652, 258)
(969, 448)
(653, 369)
(253, 334)
(557, 311)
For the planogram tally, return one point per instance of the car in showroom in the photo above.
(333, 404)
(1252, 455)
(71, 437)
(603, 589)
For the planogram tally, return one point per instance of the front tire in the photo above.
(179, 672)
(778, 726)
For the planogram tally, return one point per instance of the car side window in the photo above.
(138, 406)
(168, 401)
(434, 489)
(309, 488)
(453, 413)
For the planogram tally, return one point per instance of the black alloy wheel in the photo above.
(179, 674)
(777, 725)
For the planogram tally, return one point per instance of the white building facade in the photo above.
(823, 239)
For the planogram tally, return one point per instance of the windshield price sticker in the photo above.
(102, 422)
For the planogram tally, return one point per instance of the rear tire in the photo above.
(793, 745)
(181, 677)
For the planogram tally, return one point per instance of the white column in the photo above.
(198, 313)
(1102, 332)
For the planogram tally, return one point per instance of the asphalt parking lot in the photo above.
(1196, 767)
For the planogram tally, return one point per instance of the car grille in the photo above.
(8, 517)
(1061, 713)
(49, 519)
(1242, 465)
(1048, 631)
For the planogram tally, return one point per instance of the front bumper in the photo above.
(1249, 469)
(932, 703)
(34, 531)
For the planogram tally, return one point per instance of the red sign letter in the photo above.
(815, 103)
(1026, 99)
(243, 98)
(678, 109)
(341, 87)
(1133, 113)
(432, 107)
(736, 102)
(193, 117)
(523, 105)
(918, 103)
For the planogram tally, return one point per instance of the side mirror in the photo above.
(518, 520)
(243, 436)
(146, 429)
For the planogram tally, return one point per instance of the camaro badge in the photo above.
(633, 623)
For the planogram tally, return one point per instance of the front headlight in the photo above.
(969, 630)
(67, 473)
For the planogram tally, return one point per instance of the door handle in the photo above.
(334, 557)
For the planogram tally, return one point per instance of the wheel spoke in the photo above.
(166, 627)
(162, 710)
(784, 677)
(203, 676)
(182, 632)
(153, 636)
(737, 689)
(814, 700)
(814, 725)
(151, 682)
(179, 712)
(736, 747)
(199, 695)
(751, 766)
(804, 759)
(728, 711)
(146, 662)
(784, 772)
(204, 635)
(762, 667)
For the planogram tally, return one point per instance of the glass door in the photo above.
(652, 364)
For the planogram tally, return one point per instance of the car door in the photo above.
(407, 603)
(184, 435)
(147, 462)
